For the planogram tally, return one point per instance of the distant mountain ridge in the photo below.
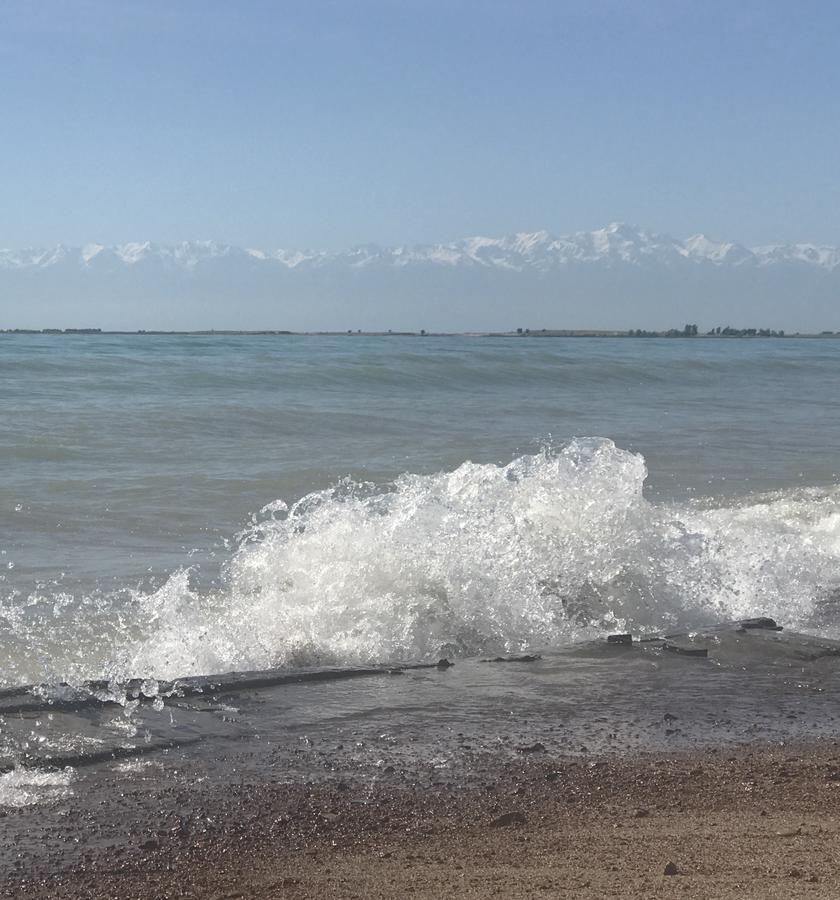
(615, 277)
(615, 244)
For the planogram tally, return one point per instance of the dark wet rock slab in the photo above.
(160, 768)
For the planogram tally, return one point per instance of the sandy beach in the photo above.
(627, 770)
(756, 821)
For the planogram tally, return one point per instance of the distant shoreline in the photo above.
(743, 334)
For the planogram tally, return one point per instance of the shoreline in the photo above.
(583, 772)
(758, 820)
(529, 333)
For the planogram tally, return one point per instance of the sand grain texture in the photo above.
(756, 822)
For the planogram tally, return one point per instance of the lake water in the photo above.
(178, 505)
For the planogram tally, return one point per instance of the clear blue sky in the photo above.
(316, 123)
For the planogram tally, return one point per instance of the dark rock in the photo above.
(685, 651)
(619, 638)
(640, 813)
(671, 869)
(444, 663)
(507, 819)
(518, 659)
(760, 622)
(532, 748)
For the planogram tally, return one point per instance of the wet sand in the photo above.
(701, 765)
(756, 821)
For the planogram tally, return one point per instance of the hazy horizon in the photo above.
(199, 238)
(617, 277)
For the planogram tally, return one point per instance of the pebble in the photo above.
(509, 818)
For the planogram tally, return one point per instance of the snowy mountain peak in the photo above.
(132, 253)
(89, 251)
(616, 244)
(701, 247)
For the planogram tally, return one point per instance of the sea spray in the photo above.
(553, 547)
(24, 787)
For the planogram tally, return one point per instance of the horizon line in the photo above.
(716, 332)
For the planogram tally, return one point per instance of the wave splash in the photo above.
(551, 548)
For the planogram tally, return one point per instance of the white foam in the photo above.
(551, 548)
(23, 787)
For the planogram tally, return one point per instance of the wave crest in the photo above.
(550, 548)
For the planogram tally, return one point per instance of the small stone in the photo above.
(509, 818)
(532, 748)
(685, 651)
(795, 873)
(671, 869)
(760, 622)
(789, 832)
(640, 813)
(526, 657)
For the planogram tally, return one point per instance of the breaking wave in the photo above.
(553, 547)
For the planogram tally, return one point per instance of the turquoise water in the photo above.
(135, 468)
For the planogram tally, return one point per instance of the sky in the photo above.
(329, 124)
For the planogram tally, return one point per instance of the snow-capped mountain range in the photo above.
(615, 277)
(617, 244)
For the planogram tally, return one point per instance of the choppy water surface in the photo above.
(183, 505)
(178, 507)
